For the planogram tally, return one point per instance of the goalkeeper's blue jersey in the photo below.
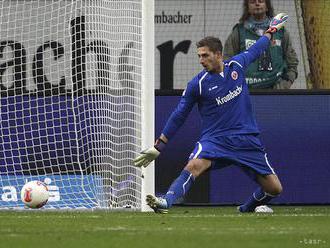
(223, 99)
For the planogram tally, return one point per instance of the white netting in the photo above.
(70, 77)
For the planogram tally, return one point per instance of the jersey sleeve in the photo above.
(181, 112)
(244, 59)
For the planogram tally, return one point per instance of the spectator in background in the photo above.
(277, 66)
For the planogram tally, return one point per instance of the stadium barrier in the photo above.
(295, 132)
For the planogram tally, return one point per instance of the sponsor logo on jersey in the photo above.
(231, 95)
(234, 75)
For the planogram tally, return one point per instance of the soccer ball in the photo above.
(34, 194)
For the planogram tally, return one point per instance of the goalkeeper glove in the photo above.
(277, 23)
(149, 155)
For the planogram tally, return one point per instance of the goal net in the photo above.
(75, 80)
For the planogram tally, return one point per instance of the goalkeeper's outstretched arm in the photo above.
(175, 121)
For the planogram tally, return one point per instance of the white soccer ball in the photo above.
(34, 194)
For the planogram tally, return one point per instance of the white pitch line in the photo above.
(246, 215)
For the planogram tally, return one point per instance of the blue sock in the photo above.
(259, 197)
(179, 187)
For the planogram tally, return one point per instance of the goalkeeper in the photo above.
(229, 129)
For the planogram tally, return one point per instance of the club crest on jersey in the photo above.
(234, 75)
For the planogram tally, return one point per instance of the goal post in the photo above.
(148, 85)
(77, 101)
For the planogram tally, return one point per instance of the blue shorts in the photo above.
(245, 151)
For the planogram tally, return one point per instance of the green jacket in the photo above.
(286, 61)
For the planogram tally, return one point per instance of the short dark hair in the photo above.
(213, 43)
(246, 15)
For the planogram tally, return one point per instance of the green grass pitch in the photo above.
(202, 227)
